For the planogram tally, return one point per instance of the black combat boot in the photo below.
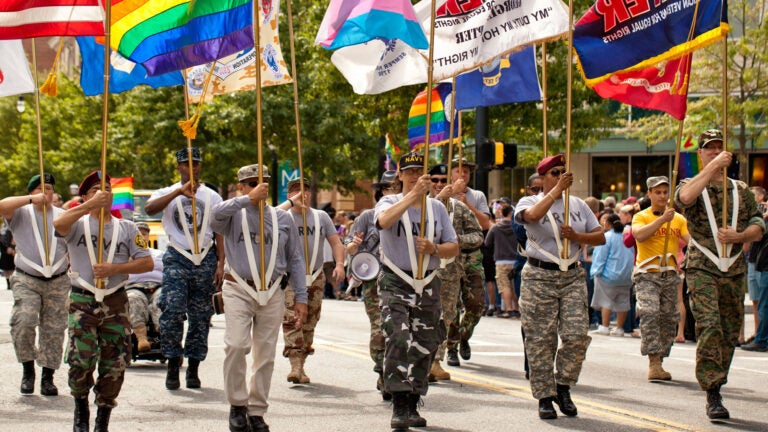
(564, 400)
(715, 408)
(414, 419)
(400, 420)
(453, 358)
(257, 424)
(464, 349)
(546, 410)
(28, 378)
(47, 388)
(385, 395)
(82, 415)
(172, 378)
(238, 419)
(102, 419)
(193, 381)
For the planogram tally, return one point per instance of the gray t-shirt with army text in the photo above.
(227, 221)
(394, 244)
(581, 219)
(326, 230)
(26, 244)
(130, 244)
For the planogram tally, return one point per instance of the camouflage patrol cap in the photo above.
(251, 171)
(709, 136)
(183, 156)
(142, 226)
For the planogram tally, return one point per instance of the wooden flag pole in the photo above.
(104, 128)
(672, 183)
(450, 130)
(724, 251)
(191, 167)
(544, 98)
(259, 157)
(569, 104)
(298, 136)
(425, 167)
(40, 158)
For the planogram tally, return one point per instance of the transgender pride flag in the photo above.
(353, 22)
(122, 193)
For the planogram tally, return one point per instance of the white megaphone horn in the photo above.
(364, 266)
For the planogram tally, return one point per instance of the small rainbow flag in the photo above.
(122, 193)
(439, 121)
(168, 35)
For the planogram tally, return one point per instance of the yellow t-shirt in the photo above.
(654, 245)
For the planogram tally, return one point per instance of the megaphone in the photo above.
(364, 266)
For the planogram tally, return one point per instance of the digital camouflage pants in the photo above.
(717, 303)
(554, 304)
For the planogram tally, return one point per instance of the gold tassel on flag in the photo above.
(50, 86)
(189, 126)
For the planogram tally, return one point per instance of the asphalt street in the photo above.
(487, 393)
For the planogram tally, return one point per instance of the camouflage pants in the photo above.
(411, 325)
(657, 306)
(187, 291)
(373, 310)
(99, 335)
(450, 291)
(552, 304)
(143, 307)
(39, 307)
(717, 303)
(472, 298)
(299, 341)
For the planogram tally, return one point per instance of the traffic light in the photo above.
(496, 155)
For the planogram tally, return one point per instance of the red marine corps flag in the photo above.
(663, 87)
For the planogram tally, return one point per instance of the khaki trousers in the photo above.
(251, 328)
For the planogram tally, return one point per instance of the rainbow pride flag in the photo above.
(353, 22)
(169, 35)
(122, 193)
(688, 165)
(439, 121)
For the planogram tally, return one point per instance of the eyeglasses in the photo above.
(713, 146)
(439, 180)
(252, 184)
(556, 172)
(535, 189)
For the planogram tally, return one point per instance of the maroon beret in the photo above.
(549, 163)
(91, 179)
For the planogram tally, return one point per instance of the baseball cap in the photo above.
(708, 136)
(652, 182)
(183, 156)
(410, 160)
(251, 171)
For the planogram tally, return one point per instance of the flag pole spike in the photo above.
(40, 157)
(544, 98)
(104, 128)
(724, 251)
(190, 165)
(569, 104)
(425, 167)
(298, 132)
(259, 155)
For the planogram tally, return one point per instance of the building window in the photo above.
(609, 176)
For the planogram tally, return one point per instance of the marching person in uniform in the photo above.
(714, 265)
(298, 340)
(99, 325)
(553, 295)
(470, 237)
(143, 293)
(364, 237)
(39, 283)
(472, 266)
(655, 275)
(410, 302)
(253, 322)
(189, 278)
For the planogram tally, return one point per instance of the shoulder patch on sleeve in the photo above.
(139, 240)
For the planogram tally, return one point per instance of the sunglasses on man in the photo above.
(439, 180)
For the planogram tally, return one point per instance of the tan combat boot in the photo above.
(304, 378)
(438, 373)
(294, 376)
(655, 371)
(141, 338)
